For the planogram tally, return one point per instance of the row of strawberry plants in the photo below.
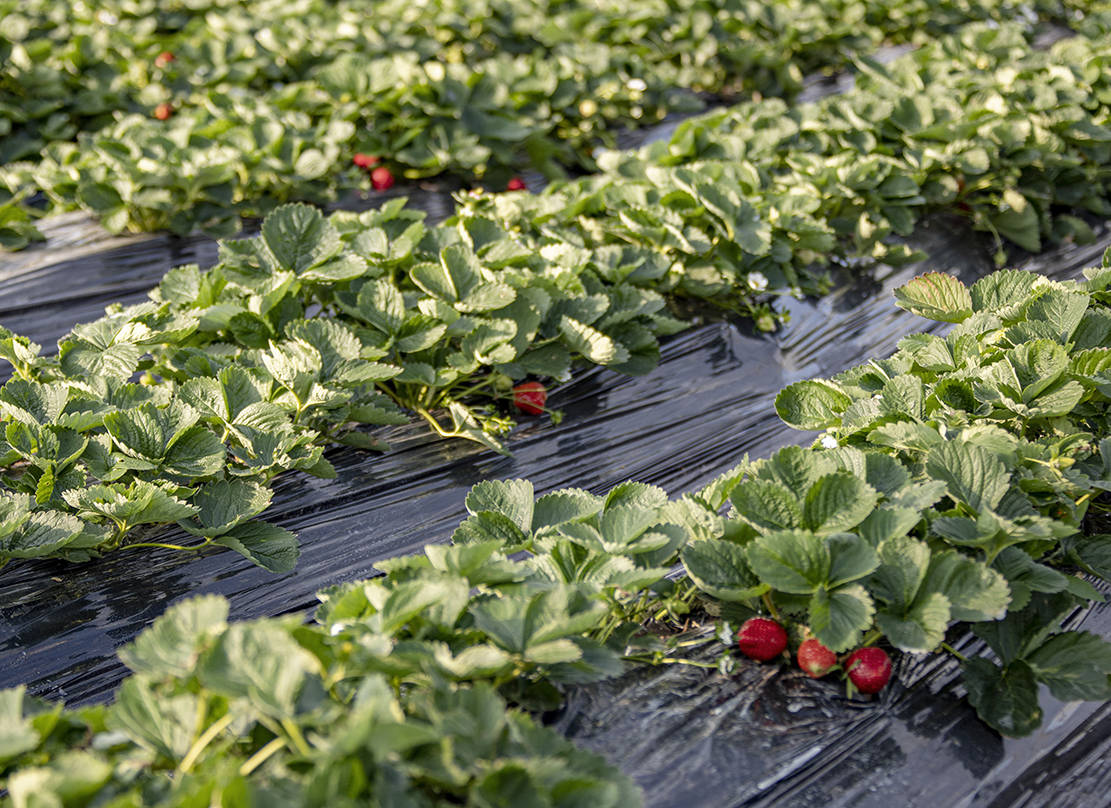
(952, 484)
(252, 367)
(319, 325)
(255, 106)
(761, 195)
(75, 65)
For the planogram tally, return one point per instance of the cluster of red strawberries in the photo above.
(163, 111)
(868, 668)
(381, 178)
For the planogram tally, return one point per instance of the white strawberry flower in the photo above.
(637, 85)
(757, 281)
(829, 442)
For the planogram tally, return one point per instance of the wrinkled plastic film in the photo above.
(769, 736)
(709, 402)
(764, 737)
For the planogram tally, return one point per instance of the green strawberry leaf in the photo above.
(720, 569)
(972, 474)
(792, 561)
(766, 505)
(260, 663)
(936, 296)
(174, 642)
(164, 725)
(919, 628)
(591, 343)
(271, 547)
(1075, 665)
(973, 589)
(1005, 698)
(838, 618)
(298, 237)
(836, 502)
(811, 405)
(1004, 289)
(510, 498)
(41, 534)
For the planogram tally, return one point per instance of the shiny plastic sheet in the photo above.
(708, 402)
(769, 736)
(764, 737)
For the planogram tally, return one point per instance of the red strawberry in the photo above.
(381, 178)
(529, 397)
(516, 184)
(364, 160)
(163, 111)
(869, 669)
(762, 639)
(815, 659)
(163, 59)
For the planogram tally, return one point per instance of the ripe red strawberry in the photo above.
(530, 397)
(815, 659)
(762, 639)
(163, 111)
(381, 178)
(364, 160)
(516, 184)
(163, 59)
(869, 669)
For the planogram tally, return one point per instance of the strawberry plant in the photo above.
(252, 711)
(951, 484)
(436, 323)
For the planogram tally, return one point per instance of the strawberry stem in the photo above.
(202, 741)
(166, 546)
(771, 605)
(260, 757)
(946, 646)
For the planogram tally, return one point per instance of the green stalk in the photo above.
(295, 735)
(771, 605)
(261, 756)
(443, 433)
(954, 652)
(190, 549)
(204, 740)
